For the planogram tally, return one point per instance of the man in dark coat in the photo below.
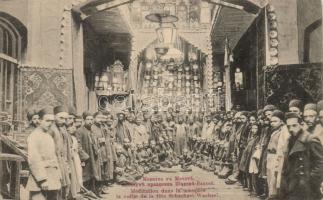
(62, 145)
(88, 143)
(98, 130)
(263, 143)
(304, 167)
(121, 129)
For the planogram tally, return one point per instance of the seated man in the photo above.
(185, 161)
(122, 169)
(134, 163)
(163, 156)
(153, 156)
(170, 151)
(142, 158)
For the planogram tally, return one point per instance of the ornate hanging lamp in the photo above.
(166, 32)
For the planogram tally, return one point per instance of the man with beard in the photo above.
(63, 147)
(140, 131)
(295, 106)
(122, 171)
(310, 117)
(78, 121)
(304, 166)
(180, 136)
(130, 123)
(98, 130)
(91, 172)
(199, 123)
(33, 120)
(208, 127)
(109, 134)
(44, 180)
(152, 152)
(71, 116)
(237, 144)
(318, 132)
(185, 161)
(169, 124)
(192, 131)
(276, 152)
(121, 129)
(265, 134)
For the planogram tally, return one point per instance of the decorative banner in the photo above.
(41, 87)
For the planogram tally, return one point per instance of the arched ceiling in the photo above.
(105, 17)
(231, 23)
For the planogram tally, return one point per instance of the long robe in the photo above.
(140, 134)
(88, 142)
(122, 132)
(62, 148)
(180, 138)
(111, 156)
(76, 168)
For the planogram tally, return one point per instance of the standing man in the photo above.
(265, 135)
(98, 130)
(33, 120)
(91, 166)
(121, 129)
(310, 117)
(62, 144)
(304, 167)
(319, 127)
(208, 127)
(296, 106)
(275, 152)
(44, 180)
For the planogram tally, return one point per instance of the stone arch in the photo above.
(16, 27)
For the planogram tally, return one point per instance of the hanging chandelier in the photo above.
(166, 32)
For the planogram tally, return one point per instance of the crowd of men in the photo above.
(270, 153)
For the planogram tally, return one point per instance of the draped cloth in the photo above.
(180, 138)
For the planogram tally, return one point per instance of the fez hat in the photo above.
(310, 106)
(269, 107)
(71, 111)
(216, 116)
(97, 113)
(253, 113)
(319, 106)
(78, 117)
(31, 113)
(292, 115)
(45, 111)
(245, 113)
(296, 103)
(59, 109)
(86, 114)
(279, 114)
(105, 112)
(260, 112)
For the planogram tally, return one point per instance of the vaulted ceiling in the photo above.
(231, 23)
(108, 21)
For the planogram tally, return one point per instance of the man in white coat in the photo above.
(44, 181)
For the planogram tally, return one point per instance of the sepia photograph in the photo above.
(161, 100)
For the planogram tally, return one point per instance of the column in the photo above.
(133, 67)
